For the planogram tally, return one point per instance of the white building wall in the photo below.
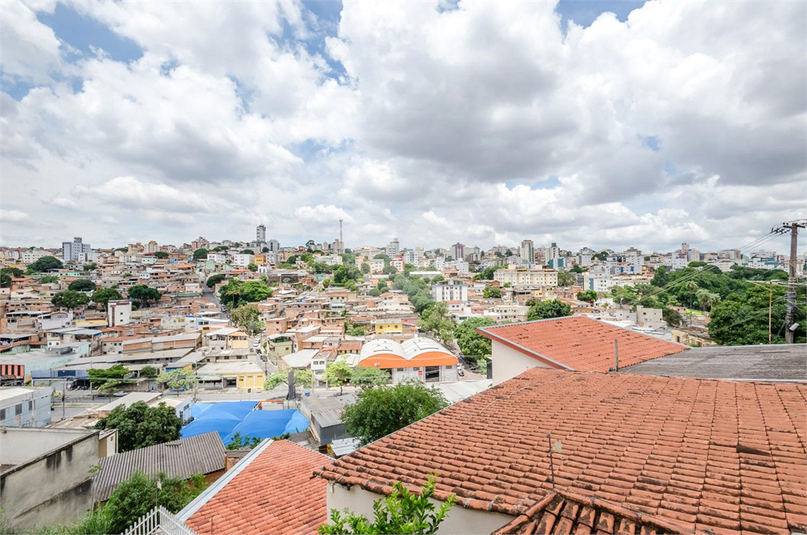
(508, 362)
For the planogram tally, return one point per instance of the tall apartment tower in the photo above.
(458, 251)
(72, 250)
(393, 247)
(527, 251)
(260, 234)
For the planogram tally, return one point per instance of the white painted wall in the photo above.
(459, 519)
(507, 362)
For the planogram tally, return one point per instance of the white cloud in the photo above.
(13, 216)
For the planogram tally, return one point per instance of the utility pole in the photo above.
(770, 312)
(792, 283)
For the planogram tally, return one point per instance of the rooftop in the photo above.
(579, 343)
(269, 491)
(706, 454)
(761, 363)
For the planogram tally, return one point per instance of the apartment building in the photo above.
(450, 291)
(527, 277)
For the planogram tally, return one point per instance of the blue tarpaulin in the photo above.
(267, 424)
(220, 417)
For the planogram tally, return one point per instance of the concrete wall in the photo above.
(459, 519)
(51, 487)
(508, 362)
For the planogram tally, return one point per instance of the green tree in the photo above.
(365, 268)
(742, 319)
(92, 266)
(214, 279)
(566, 279)
(139, 494)
(248, 319)
(303, 378)
(492, 292)
(5, 279)
(589, 296)
(706, 299)
(337, 374)
(671, 317)
(252, 267)
(273, 380)
(149, 371)
(200, 254)
(368, 377)
(239, 443)
(45, 263)
(471, 343)
(436, 320)
(104, 295)
(660, 278)
(106, 380)
(69, 299)
(248, 251)
(162, 255)
(602, 256)
(375, 292)
(178, 379)
(624, 295)
(542, 310)
(402, 512)
(140, 425)
(254, 291)
(82, 285)
(50, 279)
(383, 410)
(144, 294)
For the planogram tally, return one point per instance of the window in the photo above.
(2, 414)
(18, 409)
(432, 374)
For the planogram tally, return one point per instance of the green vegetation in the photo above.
(213, 280)
(417, 289)
(742, 318)
(252, 267)
(200, 254)
(49, 279)
(492, 292)
(248, 251)
(69, 299)
(149, 371)
(473, 345)
(104, 295)
(236, 292)
(140, 425)
(566, 279)
(368, 377)
(109, 379)
(385, 409)
(144, 294)
(541, 310)
(7, 273)
(238, 442)
(248, 319)
(588, 296)
(337, 374)
(81, 285)
(353, 329)
(487, 273)
(45, 263)
(178, 379)
(402, 512)
(436, 321)
(161, 255)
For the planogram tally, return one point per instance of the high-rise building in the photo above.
(260, 234)
(273, 245)
(458, 251)
(152, 247)
(527, 251)
(393, 247)
(72, 250)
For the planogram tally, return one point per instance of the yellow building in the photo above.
(388, 326)
(240, 373)
(260, 259)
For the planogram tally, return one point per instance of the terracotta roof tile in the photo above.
(580, 343)
(273, 494)
(699, 453)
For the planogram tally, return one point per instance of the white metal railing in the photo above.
(159, 521)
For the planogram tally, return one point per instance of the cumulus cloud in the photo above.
(13, 216)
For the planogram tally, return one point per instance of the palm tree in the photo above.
(707, 299)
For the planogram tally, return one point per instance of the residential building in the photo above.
(450, 291)
(527, 251)
(243, 260)
(393, 247)
(25, 407)
(29, 257)
(72, 250)
(260, 234)
(458, 251)
(526, 277)
(420, 359)
(388, 326)
(586, 256)
(119, 312)
(152, 247)
(273, 246)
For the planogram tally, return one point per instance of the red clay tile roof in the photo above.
(566, 512)
(273, 494)
(718, 455)
(579, 343)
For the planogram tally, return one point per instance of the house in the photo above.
(269, 491)
(227, 338)
(570, 343)
(421, 359)
(388, 326)
(201, 454)
(708, 455)
(238, 373)
(25, 407)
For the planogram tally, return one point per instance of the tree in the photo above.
(104, 295)
(402, 512)
(144, 294)
(337, 374)
(149, 371)
(589, 296)
(436, 320)
(706, 299)
(492, 292)
(548, 309)
(45, 263)
(178, 379)
(471, 343)
(140, 425)
(375, 292)
(602, 256)
(200, 254)
(438, 278)
(624, 295)
(671, 317)
(273, 380)
(364, 377)
(82, 285)
(238, 442)
(566, 279)
(140, 493)
(69, 299)
(248, 319)
(383, 410)
(742, 319)
(252, 267)
(162, 255)
(389, 270)
(106, 380)
(92, 266)
(660, 278)
(248, 251)
(365, 268)
(382, 286)
(49, 279)
(254, 291)
(214, 279)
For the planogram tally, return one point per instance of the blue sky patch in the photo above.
(584, 12)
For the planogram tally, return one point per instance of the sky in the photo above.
(606, 124)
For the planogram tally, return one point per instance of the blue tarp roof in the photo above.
(267, 424)
(221, 417)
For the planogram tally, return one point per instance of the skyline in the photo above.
(433, 122)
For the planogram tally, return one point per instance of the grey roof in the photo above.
(201, 454)
(761, 362)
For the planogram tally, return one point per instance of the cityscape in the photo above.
(438, 267)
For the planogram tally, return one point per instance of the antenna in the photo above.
(341, 240)
(616, 355)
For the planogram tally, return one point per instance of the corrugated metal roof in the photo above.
(200, 454)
